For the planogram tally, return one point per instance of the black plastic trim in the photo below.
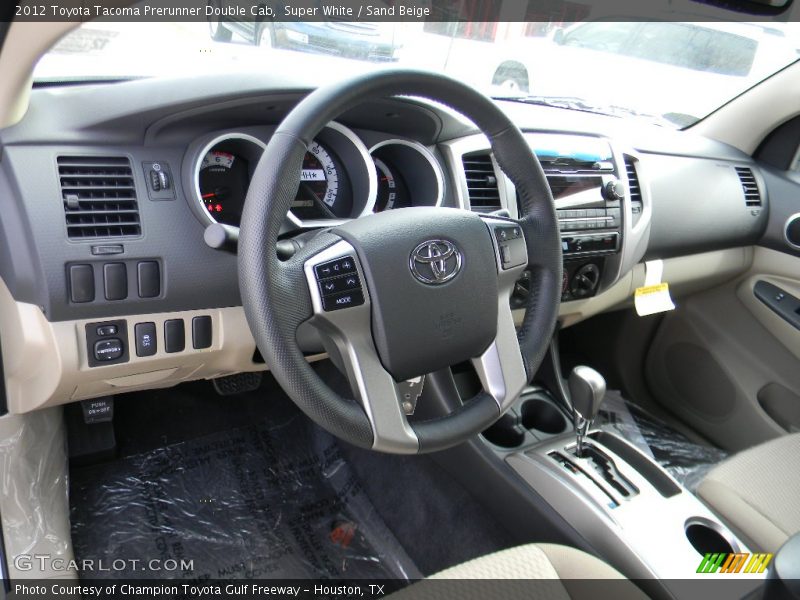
(779, 301)
(3, 393)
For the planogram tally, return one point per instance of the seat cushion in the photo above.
(757, 492)
(541, 571)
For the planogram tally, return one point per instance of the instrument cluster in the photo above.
(340, 178)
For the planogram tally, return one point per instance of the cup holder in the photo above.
(534, 413)
(708, 537)
(542, 415)
(505, 432)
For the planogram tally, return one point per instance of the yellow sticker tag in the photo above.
(652, 289)
(652, 299)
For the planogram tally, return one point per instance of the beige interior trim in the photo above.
(685, 275)
(34, 503)
(741, 517)
(24, 45)
(744, 123)
(780, 269)
(47, 364)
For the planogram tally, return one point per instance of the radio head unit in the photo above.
(583, 178)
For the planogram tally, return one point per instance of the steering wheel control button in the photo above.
(511, 247)
(81, 283)
(339, 284)
(344, 300)
(115, 278)
(145, 334)
(508, 233)
(149, 279)
(108, 350)
(201, 332)
(333, 268)
(435, 262)
(174, 336)
(335, 285)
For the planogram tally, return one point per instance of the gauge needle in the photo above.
(209, 195)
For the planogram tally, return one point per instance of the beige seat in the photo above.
(757, 493)
(543, 571)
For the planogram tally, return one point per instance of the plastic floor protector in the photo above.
(687, 461)
(264, 501)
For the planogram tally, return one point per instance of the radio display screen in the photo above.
(570, 153)
(565, 185)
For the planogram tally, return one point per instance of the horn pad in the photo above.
(432, 279)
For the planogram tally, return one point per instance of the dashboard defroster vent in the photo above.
(99, 197)
(484, 195)
(752, 197)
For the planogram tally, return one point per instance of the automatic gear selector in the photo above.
(587, 388)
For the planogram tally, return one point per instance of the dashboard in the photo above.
(108, 191)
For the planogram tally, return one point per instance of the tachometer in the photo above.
(223, 180)
(337, 178)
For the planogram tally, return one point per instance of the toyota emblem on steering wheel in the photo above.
(435, 262)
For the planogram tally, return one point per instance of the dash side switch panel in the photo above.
(81, 283)
(148, 279)
(146, 342)
(201, 332)
(174, 336)
(115, 280)
(107, 343)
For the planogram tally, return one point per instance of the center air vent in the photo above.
(749, 186)
(99, 197)
(482, 182)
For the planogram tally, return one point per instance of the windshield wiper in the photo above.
(574, 103)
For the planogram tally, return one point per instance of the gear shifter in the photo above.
(587, 388)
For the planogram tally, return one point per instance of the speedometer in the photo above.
(319, 181)
(318, 196)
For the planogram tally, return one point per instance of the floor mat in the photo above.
(276, 501)
(687, 461)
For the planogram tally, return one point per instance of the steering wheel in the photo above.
(404, 292)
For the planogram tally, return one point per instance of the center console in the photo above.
(625, 505)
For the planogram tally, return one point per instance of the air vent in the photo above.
(99, 197)
(749, 186)
(633, 180)
(482, 182)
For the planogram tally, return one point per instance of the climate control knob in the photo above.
(585, 281)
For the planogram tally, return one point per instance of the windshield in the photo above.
(674, 73)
